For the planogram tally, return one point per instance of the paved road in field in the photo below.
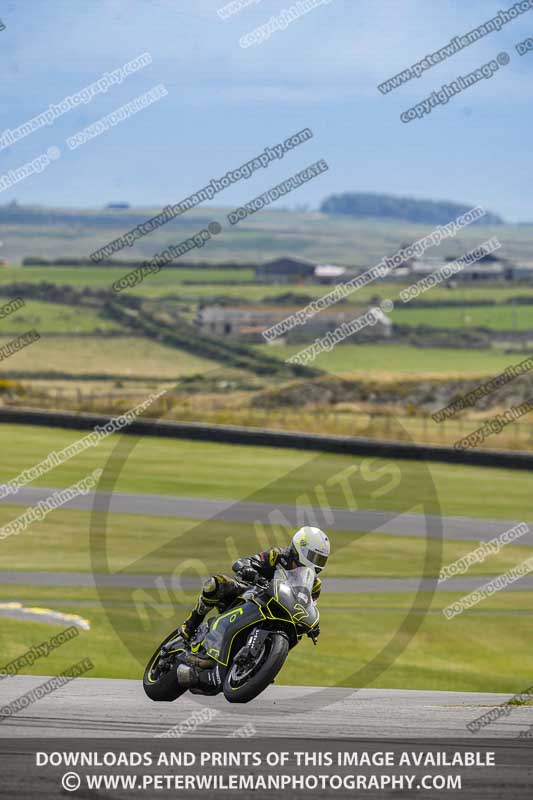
(102, 707)
(331, 585)
(461, 528)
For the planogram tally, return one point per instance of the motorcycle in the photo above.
(240, 651)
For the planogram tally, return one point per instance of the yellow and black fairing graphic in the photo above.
(218, 642)
(291, 602)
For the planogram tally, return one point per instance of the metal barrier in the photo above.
(230, 434)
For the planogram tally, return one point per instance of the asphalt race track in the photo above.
(119, 708)
(460, 528)
(331, 585)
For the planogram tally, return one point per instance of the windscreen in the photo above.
(299, 578)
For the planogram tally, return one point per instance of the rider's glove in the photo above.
(248, 574)
(314, 634)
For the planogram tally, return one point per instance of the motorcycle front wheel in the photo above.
(245, 682)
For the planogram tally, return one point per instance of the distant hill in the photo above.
(61, 235)
(406, 209)
(14, 214)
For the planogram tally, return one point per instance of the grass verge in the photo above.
(488, 651)
(271, 475)
(161, 545)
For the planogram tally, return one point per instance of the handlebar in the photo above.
(255, 579)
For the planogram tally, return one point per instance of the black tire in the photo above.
(165, 688)
(278, 647)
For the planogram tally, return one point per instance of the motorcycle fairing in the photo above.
(299, 607)
(224, 628)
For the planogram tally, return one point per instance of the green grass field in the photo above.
(476, 651)
(392, 359)
(212, 282)
(138, 356)
(56, 318)
(143, 544)
(263, 474)
(498, 318)
(166, 281)
(112, 356)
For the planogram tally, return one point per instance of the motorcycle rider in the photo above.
(309, 548)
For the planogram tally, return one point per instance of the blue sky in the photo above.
(225, 103)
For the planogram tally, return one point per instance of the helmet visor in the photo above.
(317, 559)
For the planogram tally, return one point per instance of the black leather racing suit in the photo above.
(221, 590)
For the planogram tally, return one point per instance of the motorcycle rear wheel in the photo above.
(269, 664)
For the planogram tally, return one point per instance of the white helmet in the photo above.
(311, 547)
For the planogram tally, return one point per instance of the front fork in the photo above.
(253, 646)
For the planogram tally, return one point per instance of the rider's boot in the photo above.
(209, 598)
(191, 624)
